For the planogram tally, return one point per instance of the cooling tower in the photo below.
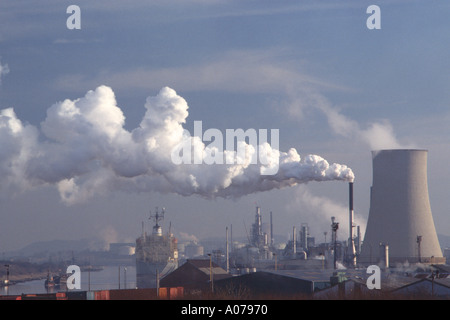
(400, 210)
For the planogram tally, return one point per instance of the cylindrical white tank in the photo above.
(126, 250)
(400, 209)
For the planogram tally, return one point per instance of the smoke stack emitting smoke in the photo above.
(84, 150)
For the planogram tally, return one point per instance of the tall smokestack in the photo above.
(358, 240)
(231, 238)
(384, 254)
(351, 241)
(226, 250)
(294, 241)
(400, 209)
(271, 229)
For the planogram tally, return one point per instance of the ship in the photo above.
(156, 254)
(55, 282)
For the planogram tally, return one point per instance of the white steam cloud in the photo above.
(83, 148)
(318, 210)
(378, 135)
(186, 237)
(4, 69)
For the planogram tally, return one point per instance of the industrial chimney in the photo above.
(351, 241)
(400, 210)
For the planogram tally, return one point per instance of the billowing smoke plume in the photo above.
(83, 148)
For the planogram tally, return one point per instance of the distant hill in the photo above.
(55, 246)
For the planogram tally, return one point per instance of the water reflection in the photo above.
(111, 277)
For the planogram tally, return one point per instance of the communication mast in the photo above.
(157, 217)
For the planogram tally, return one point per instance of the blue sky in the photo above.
(310, 69)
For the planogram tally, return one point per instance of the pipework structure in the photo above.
(400, 210)
(258, 238)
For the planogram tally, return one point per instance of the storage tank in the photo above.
(400, 210)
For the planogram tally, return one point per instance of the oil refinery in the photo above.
(400, 239)
(400, 232)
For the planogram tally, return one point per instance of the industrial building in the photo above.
(271, 284)
(400, 237)
(400, 232)
(427, 287)
(195, 275)
(400, 227)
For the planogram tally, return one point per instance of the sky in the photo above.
(89, 116)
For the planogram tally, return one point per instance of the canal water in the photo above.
(110, 277)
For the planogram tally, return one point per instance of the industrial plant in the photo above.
(400, 227)
(400, 239)
(400, 232)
